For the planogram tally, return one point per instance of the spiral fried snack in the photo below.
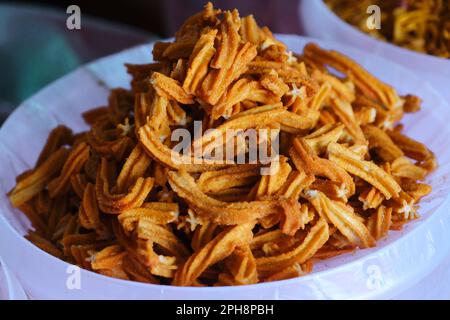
(123, 201)
(420, 25)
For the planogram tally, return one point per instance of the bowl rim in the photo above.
(280, 283)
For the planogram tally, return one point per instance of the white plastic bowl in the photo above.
(10, 288)
(394, 265)
(318, 21)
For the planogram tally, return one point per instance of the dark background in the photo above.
(162, 17)
(36, 47)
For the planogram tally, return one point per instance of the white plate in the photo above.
(397, 263)
(318, 21)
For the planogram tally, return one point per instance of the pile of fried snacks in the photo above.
(419, 25)
(118, 200)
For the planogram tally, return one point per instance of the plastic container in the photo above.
(318, 21)
(10, 288)
(396, 264)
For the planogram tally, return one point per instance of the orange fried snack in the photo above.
(419, 25)
(127, 199)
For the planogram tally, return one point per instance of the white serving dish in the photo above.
(318, 21)
(10, 288)
(394, 265)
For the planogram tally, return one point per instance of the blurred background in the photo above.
(36, 47)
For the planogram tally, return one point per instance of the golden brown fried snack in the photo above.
(36, 181)
(428, 19)
(122, 200)
(315, 239)
(216, 250)
(216, 211)
(342, 217)
(116, 203)
(76, 159)
(366, 170)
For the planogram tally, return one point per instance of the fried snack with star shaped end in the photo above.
(294, 216)
(88, 214)
(314, 240)
(240, 268)
(142, 106)
(270, 184)
(365, 115)
(214, 251)
(78, 183)
(412, 148)
(402, 167)
(272, 82)
(265, 237)
(343, 217)
(137, 271)
(332, 189)
(366, 170)
(37, 221)
(188, 223)
(338, 88)
(37, 179)
(218, 181)
(319, 139)
(216, 211)
(133, 168)
(159, 118)
(250, 32)
(162, 264)
(75, 160)
(371, 198)
(243, 89)
(44, 244)
(288, 72)
(57, 138)
(416, 190)
(404, 207)
(199, 60)
(381, 143)
(345, 114)
(218, 80)
(304, 159)
(302, 91)
(149, 137)
(169, 88)
(328, 252)
(294, 123)
(109, 262)
(364, 81)
(116, 203)
(163, 236)
(176, 116)
(164, 51)
(157, 212)
(294, 271)
(295, 184)
(260, 116)
(158, 264)
(229, 40)
(379, 222)
(107, 142)
(203, 234)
